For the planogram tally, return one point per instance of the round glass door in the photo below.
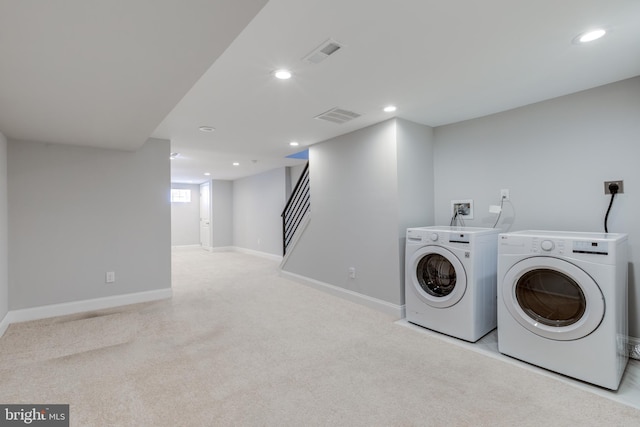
(438, 276)
(550, 297)
(553, 298)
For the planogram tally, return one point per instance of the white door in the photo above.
(205, 215)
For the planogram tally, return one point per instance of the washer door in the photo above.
(553, 298)
(437, 276)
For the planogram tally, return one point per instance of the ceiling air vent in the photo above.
(322, 52)
(337, 115)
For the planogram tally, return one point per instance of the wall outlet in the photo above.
(110, 277)
(504, 194)
(352, 272)
(464, 208)
(620, 186)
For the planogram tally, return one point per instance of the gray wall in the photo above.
(553, 157)
(222, 213)
(415, 182)
(185, 218)
(358, 214)
(76, 213)
(257, 204)
(4, 254)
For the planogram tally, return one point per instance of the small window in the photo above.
(180, 195)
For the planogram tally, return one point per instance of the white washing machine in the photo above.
(562, 302)
(450, 280)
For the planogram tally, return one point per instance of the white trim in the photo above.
(222, 249)
(272, 257)
(4, 324)
(394, 310)
(45, 311)
(186, 246)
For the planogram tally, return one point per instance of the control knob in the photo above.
(433, 237)
(547, 245)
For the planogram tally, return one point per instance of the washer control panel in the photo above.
(549, 246)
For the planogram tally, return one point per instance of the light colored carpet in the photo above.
(240, 346)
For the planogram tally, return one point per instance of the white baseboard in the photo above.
(4, 324)
(43, 312)
(185, 246)
(273, 257)
(394, 310)
(221, 249)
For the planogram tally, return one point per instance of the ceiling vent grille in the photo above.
(337, 115)
(322, 52)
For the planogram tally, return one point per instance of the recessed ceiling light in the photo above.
(294, 144)
(236, 164)
(282, 74)
(206, 128)
(389, 109)
(590, 36)
(207, 174)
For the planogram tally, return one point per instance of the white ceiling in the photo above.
(105, 73)
(108, 73)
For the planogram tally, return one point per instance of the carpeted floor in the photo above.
(240, 346)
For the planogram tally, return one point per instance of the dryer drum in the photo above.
(436, 275)
(550, 297)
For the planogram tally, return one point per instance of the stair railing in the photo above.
(296, 208)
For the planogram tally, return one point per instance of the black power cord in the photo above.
(613, 189)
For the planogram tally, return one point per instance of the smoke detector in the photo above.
(322, 52)
(337, 115)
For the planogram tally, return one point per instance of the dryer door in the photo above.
(553, 298)
(437, 276)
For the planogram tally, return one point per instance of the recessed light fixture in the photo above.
(590, 36)
(206, 128)
(172, 156)
(207, 174)
(236, 164)
(282, 74)
(389, 109)
(294, 144)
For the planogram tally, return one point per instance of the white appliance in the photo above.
(562, 302)
(450, 280)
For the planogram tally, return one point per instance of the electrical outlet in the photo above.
(504, 194)
(464, 208)
(352, 272)
(110, 277)
(620, 186)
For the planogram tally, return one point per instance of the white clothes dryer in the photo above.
(450, 280)
(562, 302)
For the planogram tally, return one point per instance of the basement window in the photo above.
(179, 195)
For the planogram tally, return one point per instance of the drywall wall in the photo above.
(76, 213)
(554, 157)
(185, 217)
(415, 175)
(415, 182)
(4, 248)
(353, 182)
(222, 213)
(258, 201)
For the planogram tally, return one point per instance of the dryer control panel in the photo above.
(590, 247)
